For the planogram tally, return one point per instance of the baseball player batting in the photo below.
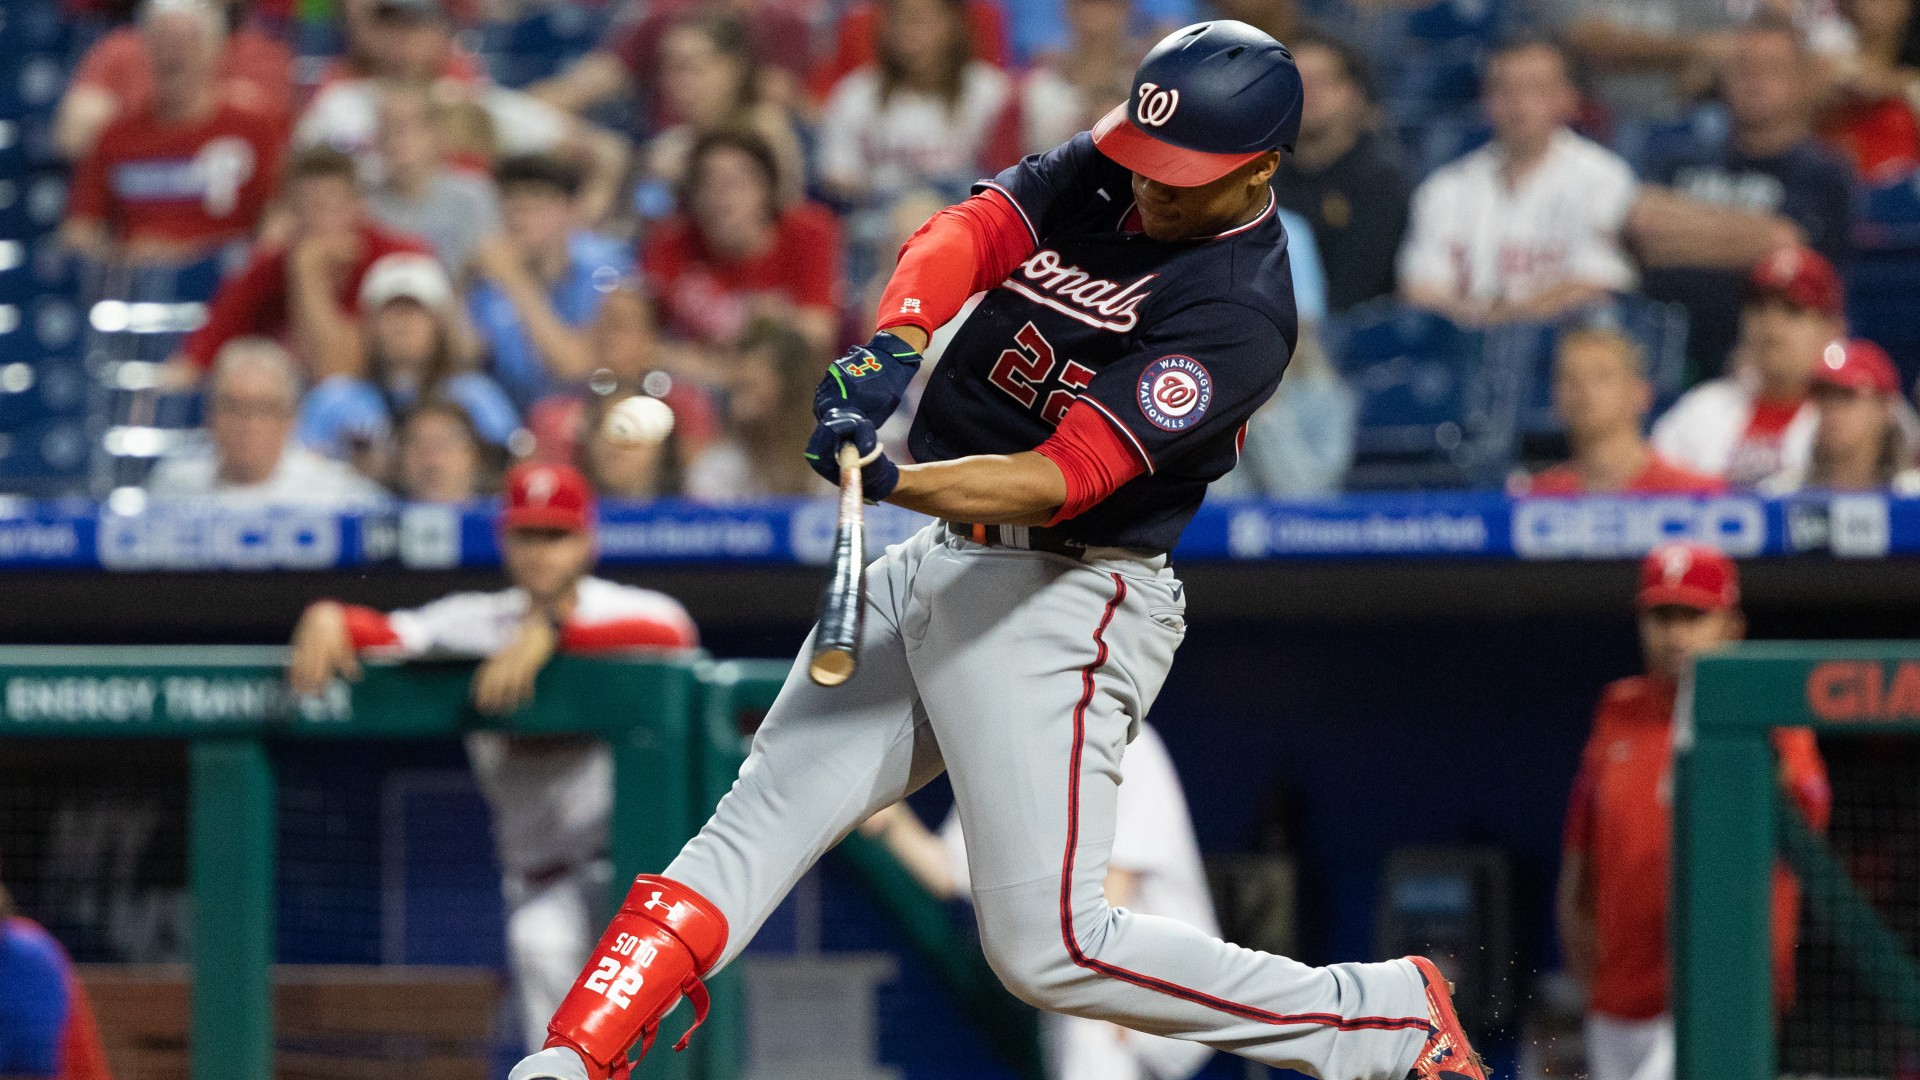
(1137, 310)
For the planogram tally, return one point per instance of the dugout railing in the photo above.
(1731, 826)
(672, 725)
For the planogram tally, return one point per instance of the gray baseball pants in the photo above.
(1024, 674)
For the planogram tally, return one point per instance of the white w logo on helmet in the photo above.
(1156, 104)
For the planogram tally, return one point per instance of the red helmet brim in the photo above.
(1118, 137)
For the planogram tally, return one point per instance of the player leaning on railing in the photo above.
(1138, 308)
(551, 796)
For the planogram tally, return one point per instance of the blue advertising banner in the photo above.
(1434, 525)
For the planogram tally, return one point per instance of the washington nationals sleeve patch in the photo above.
(1174, 392)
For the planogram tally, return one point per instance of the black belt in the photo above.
(1030, 538)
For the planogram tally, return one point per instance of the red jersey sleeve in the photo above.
(253, 301)
(81, 1055)
(966, 248)
(368, 629)
(1093, 458)
(1803, 775)
(632, 632)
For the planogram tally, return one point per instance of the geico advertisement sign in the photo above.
(219, 540)
(1598, 528)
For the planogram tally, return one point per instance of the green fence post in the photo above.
(1722, 900)
(231, 822)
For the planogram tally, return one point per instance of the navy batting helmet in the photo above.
(1207, 100)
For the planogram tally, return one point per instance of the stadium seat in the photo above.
(1659, 327)
(1436, 409)
(1881, 287)
(1887, 215)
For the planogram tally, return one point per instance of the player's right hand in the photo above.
(869, 380)
(878, 474)
(321, 649)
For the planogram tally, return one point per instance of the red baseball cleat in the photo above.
(1446, 1055)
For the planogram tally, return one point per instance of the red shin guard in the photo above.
(654, 951)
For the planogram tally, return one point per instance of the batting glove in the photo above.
(869, 380)
(878, 474)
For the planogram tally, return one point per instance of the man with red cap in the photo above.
(1754, 421)
(1136, 308)
(1859, 442)
(550, 795)
(1614, 863)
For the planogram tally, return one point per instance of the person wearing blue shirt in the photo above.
(539, 285)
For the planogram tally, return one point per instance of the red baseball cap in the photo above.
(1857, 364)
(543, 496)
(1687, 574)
(1801, 276)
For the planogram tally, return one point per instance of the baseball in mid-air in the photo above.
(638, 419)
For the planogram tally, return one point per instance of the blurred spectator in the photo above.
(922, 113)
(629, 60)
(407, 313)
(1602, 396)
(540, 283)
(46, 1020)
(116, 78)
(1612, 896)
(1342, 176)
(735, 252)
(1528, 226)
(768, 417)
(1754, 421)
(1065, 94)
(1278, 19)
(417, 192)
(1870, 108)
(1040, 28)
(1721, 209)
(382, 35)
(439, 455)
(633, 468)
(856, 34)
(187, 170)
(1646, 57)
(551, 795)
(248, 457)
(413, 41)
(1859, 442)
(1301, 442)
(709, 80)
(308, 287)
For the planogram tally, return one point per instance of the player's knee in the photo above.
(1032, 960)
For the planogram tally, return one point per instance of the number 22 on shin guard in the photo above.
(616, 981)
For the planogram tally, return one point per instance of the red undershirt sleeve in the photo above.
(636, 632)
(1092, 456)
(967, 248)
(367, 628)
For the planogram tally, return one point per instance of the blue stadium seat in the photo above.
(1647, 143)
(31, 26)
(1881, 291)
(1434, 412)
(1887, 215)
(540, 44)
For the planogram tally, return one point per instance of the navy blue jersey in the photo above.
(1175, 343)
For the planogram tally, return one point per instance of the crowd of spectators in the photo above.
(433, 275)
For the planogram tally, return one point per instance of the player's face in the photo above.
(1672, 636)
(1596, 389)
(547, 563)
(1170, 213)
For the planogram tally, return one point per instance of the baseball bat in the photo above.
(843, 606)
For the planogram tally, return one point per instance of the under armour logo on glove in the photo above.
(656, 902)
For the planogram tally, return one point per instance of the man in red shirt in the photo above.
(1601, 392)
(551, 796)
(186, 172)
(1614, 867)
(306, 289)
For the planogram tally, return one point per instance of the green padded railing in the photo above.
(1728, 829)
